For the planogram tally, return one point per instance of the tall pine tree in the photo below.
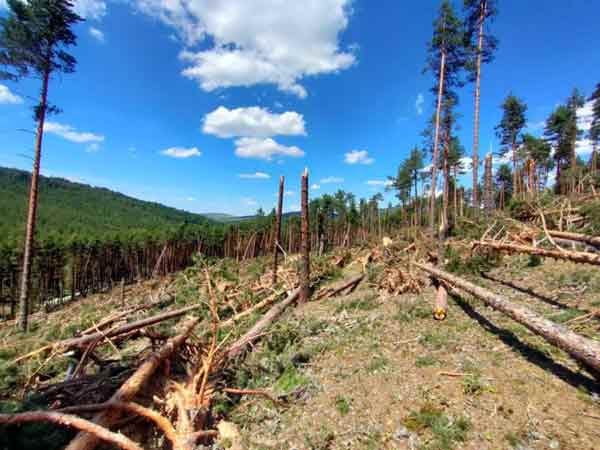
(481, 46)
(33, 42)
(509, 131)
(445, 60)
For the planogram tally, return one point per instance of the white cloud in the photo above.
(467, 163)
(90, 9)
(315, 187)
(97, 34)
(289, 193)
(257, 42)
(255, 176)
(419, 102)
(379, 183)
(332, 180)
(358, 157)
(585, 116)
(71, 134)
(8, 97)
(536, 126)
(252, 122)
(257, 148)
(181, 153)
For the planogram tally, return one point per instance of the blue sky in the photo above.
(202, 104)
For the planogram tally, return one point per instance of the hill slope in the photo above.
(67, 208)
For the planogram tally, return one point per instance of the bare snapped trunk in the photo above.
(276, 241)
(477, 101)
(305, 277)
(32, 210)
(436, 142)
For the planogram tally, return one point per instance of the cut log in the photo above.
(129, 389)
(238, 347)
(579, 347)
(123, 329)
(578, 237)
(440, 310)
(578, 257)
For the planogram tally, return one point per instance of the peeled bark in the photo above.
(305, 235)
(579, 347)
(87, 441)
(578, 257)
(276, 241)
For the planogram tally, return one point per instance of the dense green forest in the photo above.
(69, 208)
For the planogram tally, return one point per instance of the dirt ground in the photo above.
(382, 374)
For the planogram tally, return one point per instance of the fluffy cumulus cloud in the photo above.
(252, 122)
(8, 97)
(71, 134)
(584, 122)
(419, 102)
(257, 42)
(332, 180)
(97, 34)
(181, 152)
(315, 187)
(255, 176)
(358, 157)
(266, 149)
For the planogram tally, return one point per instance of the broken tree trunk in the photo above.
(238, 347)
(305, 235)
(578, 257)
(581, 348)
(440, 310)
(578, 237)
(129, 389)
(351, 283)
(123, 329)
(277, 239)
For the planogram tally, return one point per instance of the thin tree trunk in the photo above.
(445, 199)
(305, 235)
(515, 174)
(477, 102)
(578, 257)
(436, 142)
(488, 185)
(32, 210)
(276, 243)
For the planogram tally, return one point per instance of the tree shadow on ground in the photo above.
(532, 354)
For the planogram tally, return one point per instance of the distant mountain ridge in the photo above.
(67, 207)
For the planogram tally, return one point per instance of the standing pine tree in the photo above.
(509, 131)
(594, 133)
(481, 46)
(446, 59)
(33, 39)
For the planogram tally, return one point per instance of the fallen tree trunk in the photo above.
(87, 441)
(71, 421)
(578, 237)
(578, 257)
(331, 291)
(581, 348)
(123, 329)
(238, 347)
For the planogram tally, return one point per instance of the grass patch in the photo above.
(445, 431)
(426, 361)
(408, 312)
(367, 303)
(342, 404)
(377, 364)
(435, 340)
(565, 315)
(290, 380)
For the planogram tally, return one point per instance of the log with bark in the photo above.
(99, 335)
(238, 347)
(584, 350)
(578, 237)
(349, 284)
(578, 257)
